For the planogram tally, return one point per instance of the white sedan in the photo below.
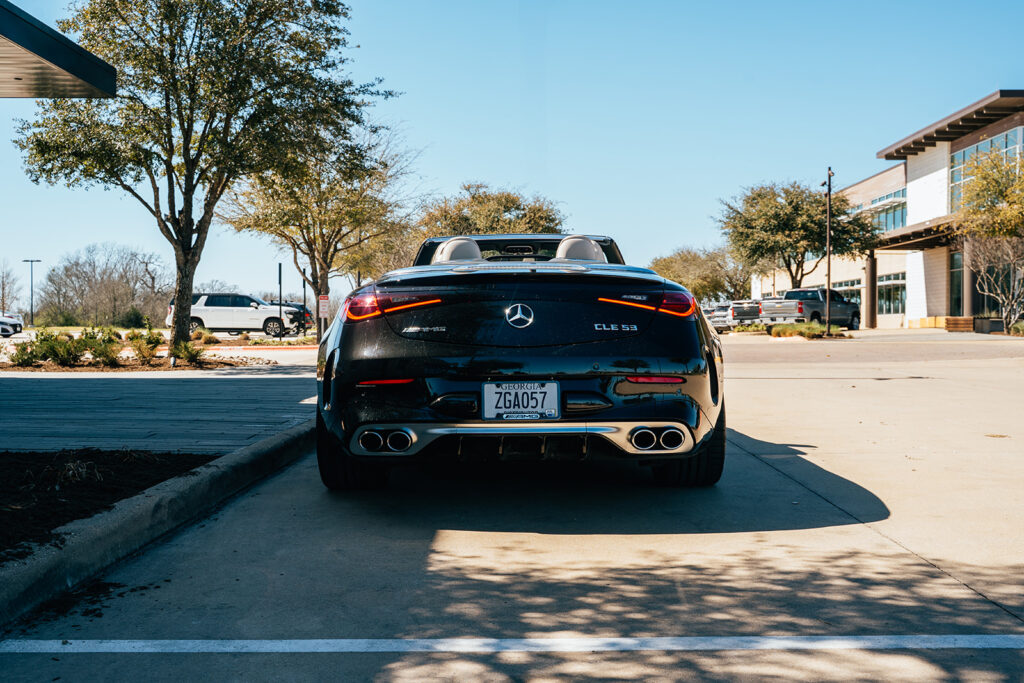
(10, 324)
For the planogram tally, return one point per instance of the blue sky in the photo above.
(635, 117)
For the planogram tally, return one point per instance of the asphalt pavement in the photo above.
(867, 527)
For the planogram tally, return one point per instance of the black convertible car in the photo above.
(520, 347)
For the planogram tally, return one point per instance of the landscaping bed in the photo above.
(211, 362)
(40, 492)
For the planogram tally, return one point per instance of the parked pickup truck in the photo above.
(808, 305)
(743, 313)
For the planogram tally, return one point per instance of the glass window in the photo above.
(240, 301)
(1011, 138)
(218, 300)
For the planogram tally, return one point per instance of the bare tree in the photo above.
(105, 284)
(10, 287)
(999, 265)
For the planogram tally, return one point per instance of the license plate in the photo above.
(521, 401)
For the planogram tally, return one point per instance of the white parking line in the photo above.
(494, 645)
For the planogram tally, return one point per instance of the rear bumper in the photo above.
(781, 320)
(545, 439)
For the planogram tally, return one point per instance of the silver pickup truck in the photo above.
(808, 305)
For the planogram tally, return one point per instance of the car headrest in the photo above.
(580, 248)
(457, 249)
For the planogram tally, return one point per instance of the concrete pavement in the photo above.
(862, 496)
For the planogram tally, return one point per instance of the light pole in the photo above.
(31, 289)
(828, 252)
(304, 309)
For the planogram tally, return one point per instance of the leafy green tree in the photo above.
(482, 211)
(991, 225)
(330, 211)
(785, 223)
(209, 92)
(710, 274)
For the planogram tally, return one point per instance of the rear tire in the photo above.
(338, 471)
(816, 318)
(702, 469)
(194, 324)
(855, 322)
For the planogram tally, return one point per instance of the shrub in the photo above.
(106, 353)
(1017, 329)
(209, 338)
(807, 330)
(752, 327)
(244, 336)
(197, 335)
(24, 355)
(188, 352)
(63, 349)
(131, 318)
(143, 350)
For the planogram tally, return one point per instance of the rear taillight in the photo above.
(732, 312)
(760, 309)
(361, 307)
(800, 307)
(654, 379)
(373, 303)
(681, 304)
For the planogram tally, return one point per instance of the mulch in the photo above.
(42, 491)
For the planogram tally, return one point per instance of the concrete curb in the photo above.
(91, 545)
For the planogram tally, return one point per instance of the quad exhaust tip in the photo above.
(643, 439)
(671, 439)
(399, 441)
(371, 441)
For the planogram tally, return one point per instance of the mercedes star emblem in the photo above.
(519, 315)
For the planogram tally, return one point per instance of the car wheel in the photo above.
(194, 324)
(338, 471)
(816, 318)
(702, 469)
(272, 327)
(855, 322)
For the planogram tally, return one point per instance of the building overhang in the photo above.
(936, 232)
(37, 61)
(998, 105)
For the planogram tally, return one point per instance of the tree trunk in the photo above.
(185, 267)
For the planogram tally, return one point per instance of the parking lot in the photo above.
(872, 488)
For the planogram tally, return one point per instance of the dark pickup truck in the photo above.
(808, 305)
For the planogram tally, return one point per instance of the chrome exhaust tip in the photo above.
(371, 441)
(399, 441)
(643, 439)
(671, 439)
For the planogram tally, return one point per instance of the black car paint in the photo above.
(447, 376)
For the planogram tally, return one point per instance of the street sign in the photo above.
(323, 303)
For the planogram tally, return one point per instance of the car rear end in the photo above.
(743, 313)
(509, 361)
(777, 311)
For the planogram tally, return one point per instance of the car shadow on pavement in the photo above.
(765, 487)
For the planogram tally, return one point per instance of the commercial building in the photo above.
(916, 275)
(36, 61)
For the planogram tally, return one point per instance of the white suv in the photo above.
(230, 312)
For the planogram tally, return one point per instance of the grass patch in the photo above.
(1017, 329)
(807, 330)
(752, 327)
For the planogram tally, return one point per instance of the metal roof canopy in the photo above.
(998, 105)
(924, 235)
(37, 61)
